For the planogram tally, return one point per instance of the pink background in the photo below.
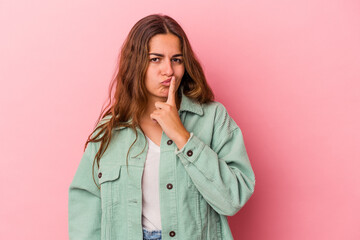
(287, 71)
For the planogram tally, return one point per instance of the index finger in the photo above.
(171, 93)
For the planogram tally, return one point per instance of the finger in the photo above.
(153, 117)
(158, 105)
(171, 93)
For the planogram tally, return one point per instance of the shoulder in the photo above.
(215, 108)
(220, 115)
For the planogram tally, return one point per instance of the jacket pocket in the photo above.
(109, 180)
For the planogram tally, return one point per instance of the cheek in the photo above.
(151, 72)
(150, 75)
(180, 70)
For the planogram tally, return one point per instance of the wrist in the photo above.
(184, 137)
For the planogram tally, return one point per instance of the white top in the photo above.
(151, 218)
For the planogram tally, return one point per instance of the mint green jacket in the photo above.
(211, 178)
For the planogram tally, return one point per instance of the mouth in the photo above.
(166, 81)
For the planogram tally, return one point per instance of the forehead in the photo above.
(165, 43)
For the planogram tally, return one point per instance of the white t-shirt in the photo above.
(151, 218)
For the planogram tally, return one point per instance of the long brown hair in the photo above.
(130, 98)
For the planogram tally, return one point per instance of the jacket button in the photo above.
(172, 233)
(169, 186)
(169, 142)
(189, 153)
(100, 174)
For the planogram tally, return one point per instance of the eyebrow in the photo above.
(162, 55)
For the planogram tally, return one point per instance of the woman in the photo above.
(166, 161)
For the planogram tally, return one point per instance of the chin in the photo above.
(161, 95)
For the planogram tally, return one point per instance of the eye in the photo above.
(177, 60)
(154, 59)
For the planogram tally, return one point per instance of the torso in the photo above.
(152, 130)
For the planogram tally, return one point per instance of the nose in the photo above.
(167, 68)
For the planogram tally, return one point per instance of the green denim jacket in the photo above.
(211, 177)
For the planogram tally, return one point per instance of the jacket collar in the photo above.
(187, 104)
(190, 105)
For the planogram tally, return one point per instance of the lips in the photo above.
(166, 81)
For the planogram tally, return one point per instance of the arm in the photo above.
(223, 173)
(84, 207)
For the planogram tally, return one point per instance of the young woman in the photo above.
(165, 161)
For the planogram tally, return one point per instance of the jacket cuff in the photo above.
(190, 152)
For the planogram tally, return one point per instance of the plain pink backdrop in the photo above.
(287, 71)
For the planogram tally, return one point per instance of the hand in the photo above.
(167, 116)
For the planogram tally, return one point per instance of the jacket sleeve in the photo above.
(84, 206)
(222, 173)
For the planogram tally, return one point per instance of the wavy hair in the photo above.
(129, 102)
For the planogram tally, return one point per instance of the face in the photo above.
(165, 60)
